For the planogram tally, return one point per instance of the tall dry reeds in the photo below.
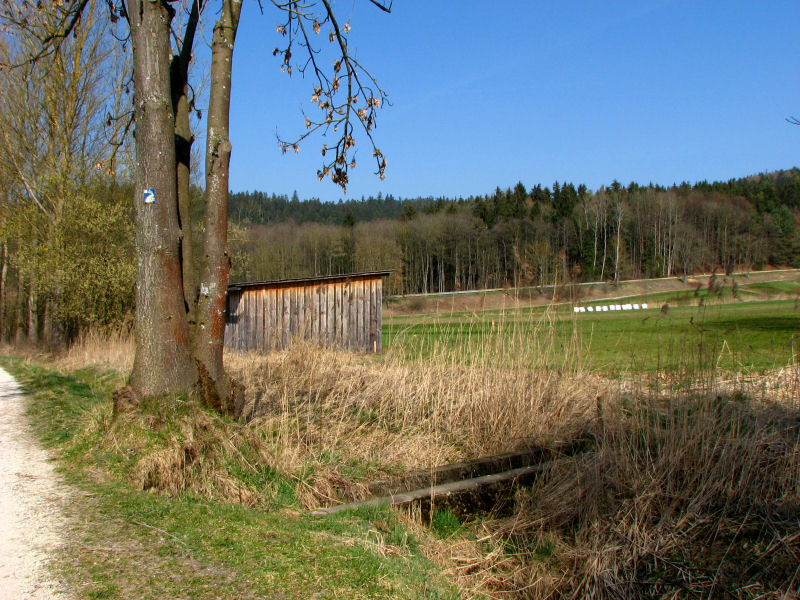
(112, 348)
(691, 488)
(356, 416)
(682, 497)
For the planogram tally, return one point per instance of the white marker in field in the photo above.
(590, 309)
(576, 309)
(635, 307)
(644, 306)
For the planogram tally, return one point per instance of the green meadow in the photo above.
(732, 335)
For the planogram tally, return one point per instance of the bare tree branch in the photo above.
(25, 182)
(51, 41)
(382, 6)
(340, 111)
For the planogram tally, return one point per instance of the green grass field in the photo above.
(740, 336)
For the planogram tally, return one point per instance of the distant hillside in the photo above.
(765, 191)
(521, 236)
(260, 208)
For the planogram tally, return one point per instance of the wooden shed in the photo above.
(342, 311)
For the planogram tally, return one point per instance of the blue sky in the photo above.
(486, 94)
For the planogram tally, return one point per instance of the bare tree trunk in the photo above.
(619, 231)
(163, 361)
(3, 274)
(183, 150)
(47, 322)
(33, 319)
(208, 334)
(52, 330)
(19, 332)
(179, 76)
(594, 247)
(605, 244)
(670, 242)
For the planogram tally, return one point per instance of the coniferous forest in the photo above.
(522, 236)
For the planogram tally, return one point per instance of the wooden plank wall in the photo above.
(342, 314)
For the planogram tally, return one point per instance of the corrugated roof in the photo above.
(307, 280)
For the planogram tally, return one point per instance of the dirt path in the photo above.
(31, 497)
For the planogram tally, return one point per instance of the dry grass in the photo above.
(353, 417)
(692, 488)
(778, 386)
(681, 498)
(110, 348)
(174, 446)
(196, 457)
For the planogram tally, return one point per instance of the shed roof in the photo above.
(306, 280)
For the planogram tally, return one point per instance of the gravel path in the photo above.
(31, 497)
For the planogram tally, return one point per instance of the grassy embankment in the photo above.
(177, 502)
(689, 489)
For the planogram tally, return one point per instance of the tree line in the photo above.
(259, 208)
(522, 237)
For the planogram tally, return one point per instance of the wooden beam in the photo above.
(449, 491)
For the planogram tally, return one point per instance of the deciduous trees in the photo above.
(55, 154)
(180, 306)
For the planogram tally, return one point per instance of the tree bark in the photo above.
(208, 334)
(33, 318)
(52, 329)
(19, 331)
(619, 232)
(183, 151)
(179, 81)
(3, 274)
(163, 362)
